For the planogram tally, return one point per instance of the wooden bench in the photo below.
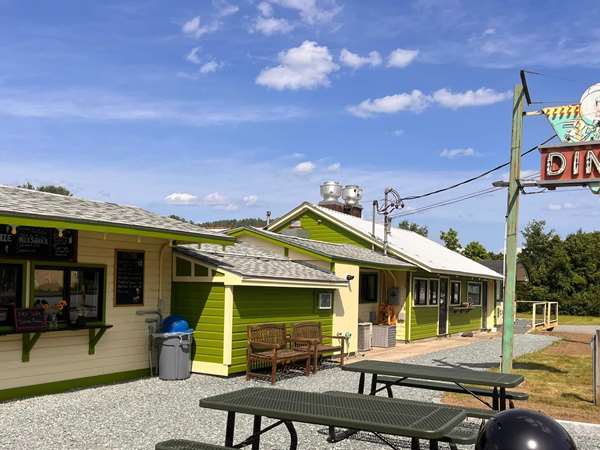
(308, 336)
(268, 344)
(184, 444)
(511, 396)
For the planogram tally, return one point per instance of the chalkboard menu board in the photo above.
(30, 319)
(38, 243)
(129, 275)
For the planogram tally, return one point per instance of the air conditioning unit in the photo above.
(364, 336)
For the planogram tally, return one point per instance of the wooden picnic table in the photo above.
(377, 415)
(461, 377)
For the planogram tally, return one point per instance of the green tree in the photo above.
(181, 219)
(51, 188)
(414, 227)
(233, 223)
(451, 240)
(475, 250)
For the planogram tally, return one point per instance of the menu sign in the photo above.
(30, 319)
(38, 243)
(129, 274)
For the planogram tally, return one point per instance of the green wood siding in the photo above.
(202, 304)
(423, 322)
(256, 305)
(464, 321)
(321, 229)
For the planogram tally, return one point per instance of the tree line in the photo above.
(563, 270)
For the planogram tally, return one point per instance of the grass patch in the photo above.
(568, 320)
(558, 380)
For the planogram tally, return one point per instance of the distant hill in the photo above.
(226, 223)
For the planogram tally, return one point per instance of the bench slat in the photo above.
(184, 444)
(447, 387)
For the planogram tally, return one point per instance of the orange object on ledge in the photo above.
(387, 315)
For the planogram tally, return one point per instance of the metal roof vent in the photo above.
(352, 195)
(331, 191)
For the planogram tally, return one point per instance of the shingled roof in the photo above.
(346, 252)
(32, 204)
(251, 262)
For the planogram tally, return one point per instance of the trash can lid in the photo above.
(174, 323)
(187, 332)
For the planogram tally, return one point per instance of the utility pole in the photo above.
(512, 230)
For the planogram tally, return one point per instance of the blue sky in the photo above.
(214, 109)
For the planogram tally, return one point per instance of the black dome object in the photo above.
(522, 429)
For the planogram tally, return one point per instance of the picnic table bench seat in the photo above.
(184, 444)
(446, 387)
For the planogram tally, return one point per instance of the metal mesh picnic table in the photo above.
(449, 374)
(373, 414)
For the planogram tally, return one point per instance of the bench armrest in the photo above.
(264, 345)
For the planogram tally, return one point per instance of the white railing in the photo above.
(544, 315)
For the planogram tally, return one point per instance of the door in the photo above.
(484, 305)
(443, 307)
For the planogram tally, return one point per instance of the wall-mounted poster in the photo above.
(129, 277)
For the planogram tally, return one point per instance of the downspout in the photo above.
(163, 248)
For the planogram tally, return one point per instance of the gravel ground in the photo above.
(138, 414)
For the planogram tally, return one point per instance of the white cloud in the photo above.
(210, 67)
(266, 9)
(481, 97)
(250, 200)
(304, 167)
(195, 28)
(271, 25)
(414, 101)
(457, 152)
(193, 56)
(398, 132)
(347, 58)
(305, 67)
(401, 57)
(219, 201)
(335, 167)
(560, 206)
(224, 8)
(181, 198)
(312, 11)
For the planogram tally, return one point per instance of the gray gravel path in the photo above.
(582, 329)
(138, 414)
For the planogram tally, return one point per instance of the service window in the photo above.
(433, 292)
(63, 291)
(11, 278)
(455, 292)
(368, 288)
(474, 293)
(325, 300)
(420, 287)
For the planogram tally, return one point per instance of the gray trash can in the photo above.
(174, 354)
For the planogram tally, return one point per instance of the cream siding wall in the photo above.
(345, 308)
(64, 355)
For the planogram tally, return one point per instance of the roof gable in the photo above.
(405, 244)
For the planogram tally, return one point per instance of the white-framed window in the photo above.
(426, 291)
(474, 293)
(455, 292)
(325, 300)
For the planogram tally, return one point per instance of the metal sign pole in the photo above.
(512, 229)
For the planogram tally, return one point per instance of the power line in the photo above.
(447, 202)
(469, 180)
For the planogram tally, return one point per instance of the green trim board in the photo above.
(203, 306)
(257, 305)
(67, 385)
(114, 228)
